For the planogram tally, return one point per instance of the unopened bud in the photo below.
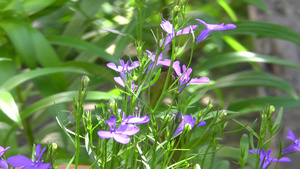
(187, 128)
(134, 78)
(84, 82)
(223, 114)
(271, 111)
(197, 166)
(112, 104)
(177, 8)
(53, 147)
(178, 118)
(209, 107)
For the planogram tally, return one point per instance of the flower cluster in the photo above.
(169, 29)
(127, 125)
(23, 161)
(265, 159)
(127, 128)
(124, 70)
(184, 75)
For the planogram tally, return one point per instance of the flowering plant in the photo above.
(152, 120)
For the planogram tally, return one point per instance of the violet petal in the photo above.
(105, 134)
(128, 129)
(291, 136)
(3, 163)
(19, 161)
(112, 66)
(119, 81)
(121, 138)
(201, 123)
(200, 80)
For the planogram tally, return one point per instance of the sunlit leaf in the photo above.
(26, 76)
(64, 97)
(32, 6)
(9, 107)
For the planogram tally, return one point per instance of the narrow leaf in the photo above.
(259, 103)
(252, 78)
(258, 3)
(9, 107)
(238, 57)
(33, 6)
(64, 97)
(23, 77)
(82, 45)
(263, 29)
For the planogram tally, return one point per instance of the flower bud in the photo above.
(187, 128)
(177, 8)
(270, 111)
(209, 107)
(222, 116)
(197, 166)
(53, 147)
(112, 104)
(134, 78)
(178, 118)
(84, 82)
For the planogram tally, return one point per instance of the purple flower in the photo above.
(160, 61)
(294, 146)
(266, 159)
(185, 79)
(26, 163)
(134, 119)
(213, 27)
(124, 67)
(120, 80)
(188, 120)
(121, 134)
(168, 27)
(3, 163)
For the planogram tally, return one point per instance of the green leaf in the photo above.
(259, 103)
(258, 3)
(278, 119)
(9, 107)
(252, 78)
(85, 12)
(263, 29)
(20, 37)
(228, 152)
(33, 6)
(64, 97)
(244, 147)
(30, 43)
(224, 164)
(5, 59)
(23, 77)
(97, 70)
(82, 45)
(238, 57)
(49, 9)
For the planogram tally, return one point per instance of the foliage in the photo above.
(47, 45)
